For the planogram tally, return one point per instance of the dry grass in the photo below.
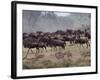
(72, 56)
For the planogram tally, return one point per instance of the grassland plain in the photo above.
(73, 56)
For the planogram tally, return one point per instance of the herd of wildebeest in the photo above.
(56, 40)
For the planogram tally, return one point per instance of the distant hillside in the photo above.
(50, 21)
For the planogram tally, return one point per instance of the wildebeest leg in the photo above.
(87, 45)
(45, 49)
(31, 51)
(37, 51)
(71, 43)
(63, 47)
(51, 49)
(56, 48)
(42, 49)
(82, 45)
(59, 48)
(26, 54)
(65, 44)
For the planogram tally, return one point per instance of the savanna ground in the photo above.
(72, 56)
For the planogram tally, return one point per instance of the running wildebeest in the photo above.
(82, 41)
(32, 43)
(56, 43)
(69, 39)
(41, 40)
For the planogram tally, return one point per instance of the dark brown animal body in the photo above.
(82, 41)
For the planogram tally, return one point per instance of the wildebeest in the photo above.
(87, 35)
(56, 43)
(82, 41)
(25, 35)
(41, 40)
(69, 39)
(32, 43)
